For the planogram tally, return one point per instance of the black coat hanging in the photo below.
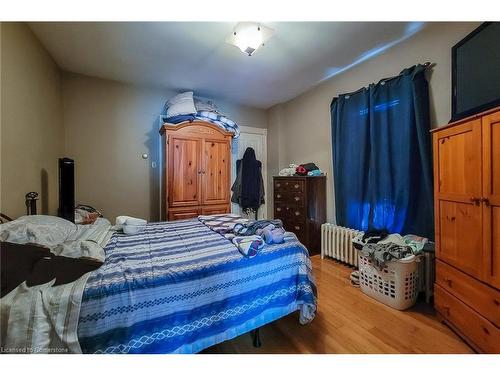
(248, 188)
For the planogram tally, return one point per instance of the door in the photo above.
(216, 171)
(184, 171)
(458, 191)
(257, 139)
(491, 196)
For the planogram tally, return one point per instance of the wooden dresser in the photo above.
(196, 170)
(300, 202)
(467, 214)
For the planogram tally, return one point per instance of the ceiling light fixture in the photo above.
(249, 36)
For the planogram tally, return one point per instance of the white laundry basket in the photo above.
(397, 285)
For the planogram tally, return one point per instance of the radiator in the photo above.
(336, 243)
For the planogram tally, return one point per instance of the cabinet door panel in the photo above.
(491, 193)
(458, 192)
(461, 236)
(216, 172)
(183, 171)
(459, 161)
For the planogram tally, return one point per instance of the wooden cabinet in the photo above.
(491, 196)
(196, 170)
(467, 222)
(300, 202)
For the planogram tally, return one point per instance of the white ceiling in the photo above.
(194, 55)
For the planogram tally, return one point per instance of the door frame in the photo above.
(262, 132)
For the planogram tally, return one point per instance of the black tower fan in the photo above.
(67, 189)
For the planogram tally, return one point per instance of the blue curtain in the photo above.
(382, 159)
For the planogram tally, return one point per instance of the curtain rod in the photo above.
(426, 65)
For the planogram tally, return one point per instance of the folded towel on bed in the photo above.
(249, 245)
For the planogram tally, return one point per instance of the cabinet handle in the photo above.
(278, 185)
(278, 209)
(296, 186)
(297, 227)
(446, 310)
(486, 330)
(486, 201)
(476, 201)
(297, 213)
(297, 199)
(278, 195)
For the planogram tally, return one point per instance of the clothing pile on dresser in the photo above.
(306, 169)
(249, 236)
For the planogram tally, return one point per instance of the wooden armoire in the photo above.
(467, 214)
(196, 170)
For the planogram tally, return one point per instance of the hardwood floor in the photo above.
(348, 321)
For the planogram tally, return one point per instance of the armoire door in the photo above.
(216, 172)
(184, 171)
(491, 196)
(458, 192)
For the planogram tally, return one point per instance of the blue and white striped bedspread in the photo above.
(179, 287)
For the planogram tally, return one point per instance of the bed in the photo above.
(179, 287)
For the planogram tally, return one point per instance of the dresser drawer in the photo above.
(296, 198)
(281, 185)
(281, 195)
(296, 186)
(482, 298)
(281, 211)
(297, 214)
(299, 228)
(472, 325)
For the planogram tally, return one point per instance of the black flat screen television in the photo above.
(476, 71)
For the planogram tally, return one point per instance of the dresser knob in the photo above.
(297, 199)
(297, 213)
(297, 227)
(278, 195)
(278, 209)
(296, 186)
(486, 330)
(278, 185)
(448, 281)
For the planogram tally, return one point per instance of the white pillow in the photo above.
(43, 230)
(182, 104)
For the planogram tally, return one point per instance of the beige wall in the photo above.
(108, 126)
(31, 121)
(303, 127)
